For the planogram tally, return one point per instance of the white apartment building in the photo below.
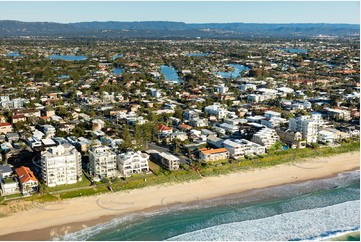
(272, 114)
(325, 136)
(102, 162)
(221, 88)
(235, 149)
(273, 122)
(308, 126)
(61, 165)
(266, 137)
(216, 110)
(239, 148)
(132, 163)
(168, 161)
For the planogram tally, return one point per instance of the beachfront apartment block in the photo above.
(266, 137)
(213, 154)
(239, 148)
(102, 162)
(168, 161)
(61, 165)
(308, 126)
(132, 163)
(28, 182)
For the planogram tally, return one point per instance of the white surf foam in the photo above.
(298, 225)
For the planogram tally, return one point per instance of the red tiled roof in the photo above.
(25, 174)
(4, 124)
(213, 151)
(162, 127)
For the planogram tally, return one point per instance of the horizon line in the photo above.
(173, 21)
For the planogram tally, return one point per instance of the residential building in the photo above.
(292, 139)
(325, 137)
(9, 185)
(339, 114)
(132, 163)
(102, 162)
(198, 122)
(215, 141)
(217, 110)
(168, 161)
(49, 130)
(179, 135)
(190, 115)
(61, 165)
(98, 124)
(164, 130)
(5, 171)
(235, 149)
(266, 137)
(229, 128)
(6, 128)
(28, 182)
(213, 154)
(308, 126)
(222, 89)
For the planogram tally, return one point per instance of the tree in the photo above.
(178, 113)
(127, 139)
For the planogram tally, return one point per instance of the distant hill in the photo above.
(167, 29)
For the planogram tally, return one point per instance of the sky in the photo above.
(183, 11)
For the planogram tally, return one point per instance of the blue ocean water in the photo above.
(311, 210)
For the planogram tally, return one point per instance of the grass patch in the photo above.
(17, 195)
(79, 193)
(83, 183)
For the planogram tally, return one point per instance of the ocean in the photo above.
(312, 210)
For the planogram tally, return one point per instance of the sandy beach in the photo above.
(47, 221)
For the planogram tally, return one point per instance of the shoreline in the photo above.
(76, 214)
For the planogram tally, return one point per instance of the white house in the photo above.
(132, 163)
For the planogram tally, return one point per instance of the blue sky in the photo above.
(185, 11)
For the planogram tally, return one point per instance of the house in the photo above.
(179, 135)
(5, 171)
(6, 128)
(199, 122)
(18, 118)
(28, 182)
(98, 124)
(9, 186)
(217, 110)
(49, 130)
(190, 115)
(184, 127)
(132, 163)
(215, 141)
(164, 130)
(213, 154)
(12, 137)
(291, 139)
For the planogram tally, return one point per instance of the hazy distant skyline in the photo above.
(186, 11)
